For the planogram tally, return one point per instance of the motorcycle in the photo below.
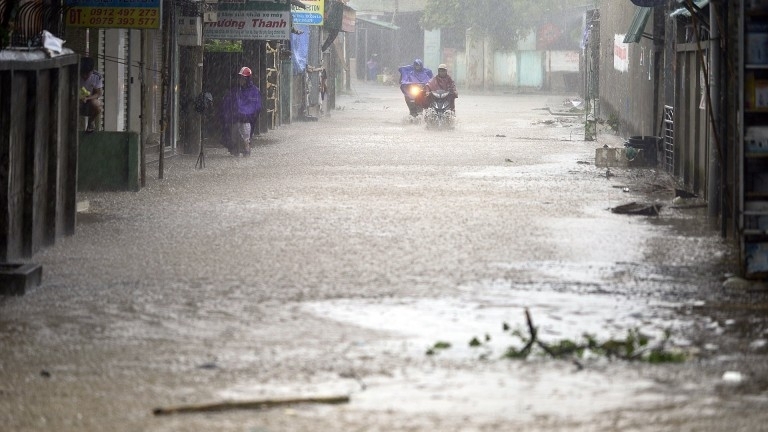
(414, 97)
(413, 79)
(438, 114)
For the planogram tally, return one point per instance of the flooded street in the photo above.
(330, 261)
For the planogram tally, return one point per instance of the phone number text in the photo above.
(114, 17)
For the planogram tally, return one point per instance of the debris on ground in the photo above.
(252, 404)
(635, 208)
(733, 377)
(635, 346)
(682, 193)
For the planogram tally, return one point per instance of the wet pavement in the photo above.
(333, 258)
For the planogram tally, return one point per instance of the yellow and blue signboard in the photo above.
(130, 14)
(311, 15)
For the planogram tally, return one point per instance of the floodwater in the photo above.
(330, 261)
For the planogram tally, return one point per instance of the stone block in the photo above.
(16, 278)
(606, 157)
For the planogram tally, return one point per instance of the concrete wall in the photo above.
(556, 71)
(627, 76)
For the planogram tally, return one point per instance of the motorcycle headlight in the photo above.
(414, 91)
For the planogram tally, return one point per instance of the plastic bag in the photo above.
(52, 45)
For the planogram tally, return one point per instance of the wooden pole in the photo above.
(253, 404)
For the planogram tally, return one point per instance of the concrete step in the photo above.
(16, 278)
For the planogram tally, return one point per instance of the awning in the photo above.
(636, 29)
(684, 11)
(648, 3)
(378, 23)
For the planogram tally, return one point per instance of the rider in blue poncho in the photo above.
(414, 73)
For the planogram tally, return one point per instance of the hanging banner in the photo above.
(300, 49)
(250, 20)
(252, 5)
(250, 25)
(128, 14)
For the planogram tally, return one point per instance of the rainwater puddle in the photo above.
(521, 394)
(525, 171)
(499, 388)
(455, 383)
(502, 392)
(86, 218)
(482, 312)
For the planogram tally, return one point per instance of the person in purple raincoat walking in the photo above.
(241, 111)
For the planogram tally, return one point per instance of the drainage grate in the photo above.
(669, 139)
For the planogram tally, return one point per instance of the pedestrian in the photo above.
(443, 81)
(241, 111)
(373, 67)
(91, 90)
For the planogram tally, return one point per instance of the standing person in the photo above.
(373, 67)
(91, 89)
(443, 81)
(242, 107)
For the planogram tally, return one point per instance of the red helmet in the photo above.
(245, 71)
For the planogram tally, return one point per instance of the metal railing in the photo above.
(669, 139)
(22, 22)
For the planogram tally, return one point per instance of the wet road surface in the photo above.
(329, 261)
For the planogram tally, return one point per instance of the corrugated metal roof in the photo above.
(636, 29)
(379, 23)
(389, 6)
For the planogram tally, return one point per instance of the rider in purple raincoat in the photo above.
(414, 73)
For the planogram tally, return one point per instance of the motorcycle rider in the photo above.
(414, 73)
(443, 81)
